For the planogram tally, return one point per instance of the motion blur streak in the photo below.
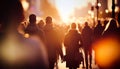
(107, 51)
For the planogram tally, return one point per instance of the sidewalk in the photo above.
(63, 65)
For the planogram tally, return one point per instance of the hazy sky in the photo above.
(67, 7)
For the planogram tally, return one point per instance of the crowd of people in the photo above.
(39, 45)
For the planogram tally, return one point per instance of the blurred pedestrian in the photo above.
(98, 31)
(41, 24)
(53, 43)
(33, 29)
(72, 43)
(87, 37)
(17, 52)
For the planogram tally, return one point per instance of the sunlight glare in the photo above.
(67, 7)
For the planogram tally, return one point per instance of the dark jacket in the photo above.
(98, 31)
(53, 44)
(32, 29)
(72, 44)
(87, 37)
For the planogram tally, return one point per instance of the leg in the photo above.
(83, 59)
(86, 58)
(83, 64)
(90, 59)
(70, 67)
(75, 68)
(51, 64)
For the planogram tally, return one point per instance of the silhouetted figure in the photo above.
(98, 31)
(33, 29)
(87, 36)
(53, 43)
(72, 43)
(17, 52)
(41, 24)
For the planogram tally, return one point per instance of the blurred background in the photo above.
(67, 11)
(64, 12)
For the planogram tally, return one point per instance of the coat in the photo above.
(87, 37)
(53, 44)
(72, 43)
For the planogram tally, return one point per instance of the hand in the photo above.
(62, 60)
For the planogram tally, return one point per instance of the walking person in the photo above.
(72, 43)
(98, 31)
(87, 36)
(53, 43)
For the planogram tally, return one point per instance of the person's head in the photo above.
(73, 26)
(11, 13)
(86, 23)
(48, 20)
(41, 23)
(32, 18)
(99, 22)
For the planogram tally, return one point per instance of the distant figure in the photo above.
(17, 52)
(98, 31)
(87, 37)
(41, 24)
(53, 43)
(32, 28)
(72, 43)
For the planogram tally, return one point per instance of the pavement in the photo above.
(63, 65)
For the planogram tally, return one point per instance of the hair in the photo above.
(73, 26)
(32, 18)
(86, 23)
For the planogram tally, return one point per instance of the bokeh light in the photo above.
(107, 51)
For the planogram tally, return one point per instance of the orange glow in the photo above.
(26, 35)
(107, 51)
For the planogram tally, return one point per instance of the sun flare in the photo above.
(66, 8)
